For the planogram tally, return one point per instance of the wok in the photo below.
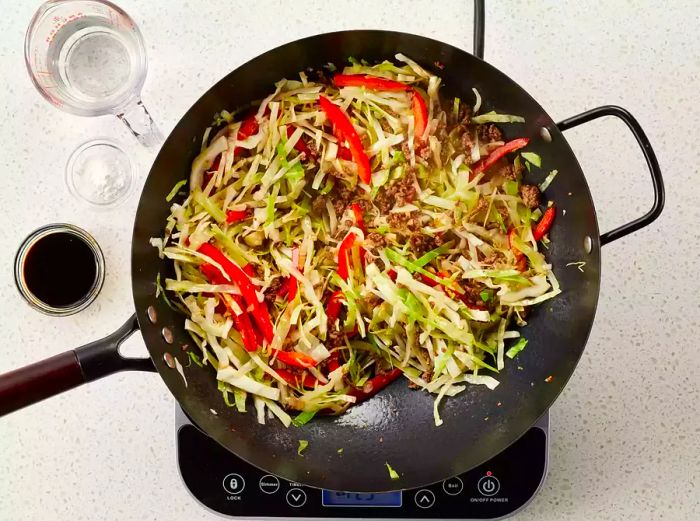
(396, 426)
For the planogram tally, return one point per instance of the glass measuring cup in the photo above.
(87, 57)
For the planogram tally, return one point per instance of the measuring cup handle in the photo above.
(138, 120)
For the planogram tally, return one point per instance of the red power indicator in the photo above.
(488, 473)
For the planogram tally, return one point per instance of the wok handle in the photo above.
(479, 19)
(656, 178)
(41, 380)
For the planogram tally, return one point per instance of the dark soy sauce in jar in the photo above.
(60, 269)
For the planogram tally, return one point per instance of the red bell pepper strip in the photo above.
(359, 219)
(367, 81)
(343, 126)
(212, 273)
(293, 282)
(420, 110)
(544, 224)
(243, 325)
(333, 310)
(306, 380)
(233, 216)
(249, 270)
(345, 256)
(344, 153)
(242, 321)
(300, 145)
(497, 154)
(284, 288)
(215, 165)
(374, 385)
(260, 313)
(249, 126)
(294, 358)
(333, 305)
(209, 172)
(333, 362)
(420, 115)
(520, 259)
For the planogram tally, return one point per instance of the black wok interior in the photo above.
(397, 425)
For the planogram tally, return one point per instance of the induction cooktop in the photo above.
(229, 486)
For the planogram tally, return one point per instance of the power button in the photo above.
(488, 485)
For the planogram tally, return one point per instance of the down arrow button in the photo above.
(296, 497)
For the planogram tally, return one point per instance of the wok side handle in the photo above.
(656, 177)
(479, 23)
(65, 371)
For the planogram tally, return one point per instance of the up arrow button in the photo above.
(424, 498)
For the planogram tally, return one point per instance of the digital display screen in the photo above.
(331, 498)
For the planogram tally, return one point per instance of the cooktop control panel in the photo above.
(232, 487)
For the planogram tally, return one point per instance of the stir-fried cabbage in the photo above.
(418, 271)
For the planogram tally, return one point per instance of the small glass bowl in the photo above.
(39, 304)
(100, 173)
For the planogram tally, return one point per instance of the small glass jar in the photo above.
(68, 278)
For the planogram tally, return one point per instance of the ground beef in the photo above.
(441, 128)
(398, 193)
(518, 168)
(271, 291)
(472, 293)
(462, 117)
(319, 204)
(385, 126)
(481, 204)
(423, 151)
(530, 195)
(503, 212)
(405, 223)
(404, 189)
(488, 133)
(492, 259)
(467, 144)
(374, 241)
(313, 151)
(509, 172)
(421, 243)
(364, 204)
(371, 301)
(426, 376)
(335, 338)
(342, 196)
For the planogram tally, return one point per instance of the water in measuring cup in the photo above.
(93, 64)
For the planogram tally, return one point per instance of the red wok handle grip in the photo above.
(41, 380)
(38, 381)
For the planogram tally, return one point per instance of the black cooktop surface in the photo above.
(228, 485)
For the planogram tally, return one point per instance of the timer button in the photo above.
(424, 498)
(488, 485)
(234, 484)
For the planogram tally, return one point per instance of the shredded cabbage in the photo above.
(434, 276)
(492, 117)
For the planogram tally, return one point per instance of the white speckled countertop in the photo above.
(626, 431)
